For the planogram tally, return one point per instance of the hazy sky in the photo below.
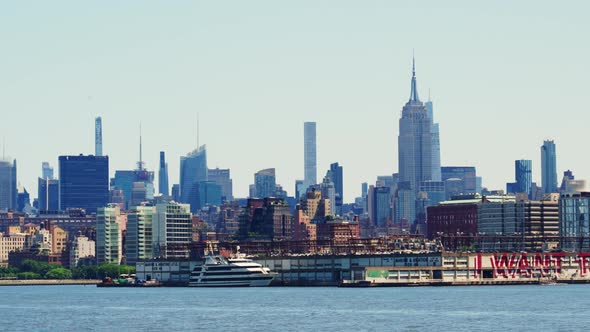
(504, 75)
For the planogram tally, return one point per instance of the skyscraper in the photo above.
(548, 167)
(163, 186)
(265, 183)
(435, 132)
(414, 149)
(48, 194)
(523, 170)
(8, 189)
(415, 140)
(193, 169)
(329, 191)
(84, 182)
(222, 178)
(379, 205)
(338, 180)
(98, 137)
(138, 184)
(309, 154)
(47, 171)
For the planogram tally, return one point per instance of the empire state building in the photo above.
(414, 141)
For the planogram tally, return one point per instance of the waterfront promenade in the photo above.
(44, 282)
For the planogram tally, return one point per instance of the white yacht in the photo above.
(218, 271)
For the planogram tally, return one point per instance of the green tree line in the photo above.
(30, 269)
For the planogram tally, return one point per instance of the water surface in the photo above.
(484, 308)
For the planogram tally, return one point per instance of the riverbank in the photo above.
(47, 282)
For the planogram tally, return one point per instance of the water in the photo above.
(75, 308)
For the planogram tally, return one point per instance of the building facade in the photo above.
(222, 178)
(548, 167)
(84, 182)
(193, 169)
(109, 239)
(139, 244)
(98, 137)
(414, 141)
(8, 185)
(574, 212)
(163, 186)
(336, 174)
(265, 183)
(523, 174)
(172, 230)
(81, 248)
(309, 154)
(48, 194)
(435, 132)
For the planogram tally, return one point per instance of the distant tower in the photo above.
(265, 183)
(98, 137)
(336, 175)
(414, 146)
(47, 171)
(415, 140)
(163, 175)
(193, 169)
(140, 164)
(310, 154)
(435, 132)
(8, 186)
(548, 167)
(523, 170)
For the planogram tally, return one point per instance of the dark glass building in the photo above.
(48, 194)
(163, 186)
(548, 167)
(84, 182)
(337, 179)
(523, 174)
(193, 169)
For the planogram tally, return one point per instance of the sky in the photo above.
(503, 76)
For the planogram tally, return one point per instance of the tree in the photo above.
(28, 275)
(59, 273)
(40, 268)
(8, 272)
(85, 272)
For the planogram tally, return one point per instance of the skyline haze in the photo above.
(503, 80)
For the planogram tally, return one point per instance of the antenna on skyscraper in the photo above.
(198, 131)
(140, 164)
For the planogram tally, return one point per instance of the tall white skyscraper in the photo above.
(98, 137)
(309, 154)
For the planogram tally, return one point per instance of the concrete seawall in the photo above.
(43, 282)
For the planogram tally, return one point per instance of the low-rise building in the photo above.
(82, 248)
(10, 243)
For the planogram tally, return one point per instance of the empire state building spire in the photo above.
(414, 92)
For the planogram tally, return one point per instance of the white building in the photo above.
(82, 247)
(172, 230)
(109, 248)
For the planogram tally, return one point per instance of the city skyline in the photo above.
(493, 106)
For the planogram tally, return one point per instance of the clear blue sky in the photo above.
(504, 75)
